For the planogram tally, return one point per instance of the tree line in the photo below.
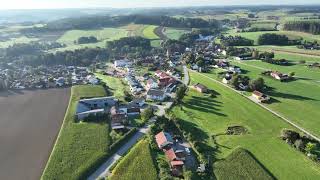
(94, 22)
(312, 27)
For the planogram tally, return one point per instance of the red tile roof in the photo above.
(161, 138)
(170, 154)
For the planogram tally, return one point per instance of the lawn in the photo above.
(240, 164)
(136, 165)
(148, 32)
(103, 35)
(212, 115)
(297, 100)
(173, 33)
(79, 145)
(116, 85)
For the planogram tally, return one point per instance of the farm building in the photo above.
(279, 76)
(201, 88)
(163, 140)
(94, 106)
(260, 96)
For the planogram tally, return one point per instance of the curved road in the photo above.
(265, 107)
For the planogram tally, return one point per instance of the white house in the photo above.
(155, 95)
(122, 63)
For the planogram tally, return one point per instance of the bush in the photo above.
(299, 144)
(117, 144)
(147, 114)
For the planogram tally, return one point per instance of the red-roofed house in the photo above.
(164, 140)
(260, 96)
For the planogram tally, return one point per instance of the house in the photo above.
(279, 76)
(139, 102)
(201, 88)
(170, 88)
(122, 63)
(260, 96)
(60, 82)
(156, 95)
(133, 111)
(94, 106)
(152, 83)
(165, 81)
(235, 69)
(164, 140)
(118, 118)
(226, 79)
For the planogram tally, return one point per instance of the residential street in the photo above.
(103, 171)
(265, 107)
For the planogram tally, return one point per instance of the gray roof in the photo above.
(155, 92)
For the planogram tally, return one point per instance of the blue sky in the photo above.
(40, 4)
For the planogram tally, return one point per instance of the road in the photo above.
(186, 75)
(265, 107)
(103, 170)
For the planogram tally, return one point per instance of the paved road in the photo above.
(265, 107)
(186, 75)
(103, 170)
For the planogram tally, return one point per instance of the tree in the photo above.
(273, 39)
(235, 80)
(299, 144)
(310, 147)
(147, 114)
(257, 84)
(180, 93)
(291, 74)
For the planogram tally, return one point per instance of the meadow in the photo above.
(116, 85)
(297, 100)
(291, 34)
(173, 33)
(103, 35)
(211, 116)
(79, 145)
(17, 40)
(240, 164)
(137, 164)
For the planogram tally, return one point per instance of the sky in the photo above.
(53, 4)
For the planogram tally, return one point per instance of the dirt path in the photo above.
(29, 124)
(263, 106)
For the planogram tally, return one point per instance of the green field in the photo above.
(136, 165)
(240, 164)
(173, 33)
(149, 33)
(291, 34)
(19, 40)
(297, 100)
(103, 35)
(115, 85)
(78, 145)
(212, 115)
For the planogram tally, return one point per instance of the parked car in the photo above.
(188, 151)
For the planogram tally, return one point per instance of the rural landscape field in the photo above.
(131, 90)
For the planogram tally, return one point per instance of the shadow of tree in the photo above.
(289, 96)
(203, 104)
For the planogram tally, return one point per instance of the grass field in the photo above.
(148, 32)
(291, 34)
(212, 115)
(78, 145)
(19, 40)
(136, 165)
(103, 35)
(297, 100)
(240, 164)
(115, 84)
(173, 33)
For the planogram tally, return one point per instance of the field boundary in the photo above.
(263, 106)
(59, 134)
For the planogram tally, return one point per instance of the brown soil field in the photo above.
(29, 124)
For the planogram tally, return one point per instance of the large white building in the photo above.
(94, 106)
(122, 63)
